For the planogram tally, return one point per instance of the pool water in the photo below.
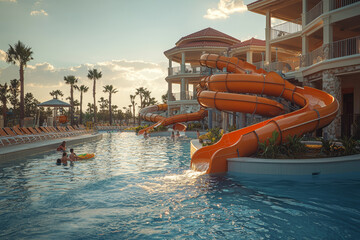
(143, 189)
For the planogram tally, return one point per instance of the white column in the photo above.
(183, 62)
(170, 72)
(304, 10)
(327, 31)
(249, 56)
(268, 37)
(194, 91)
(182, 89)
(170, 91)
(305, 45)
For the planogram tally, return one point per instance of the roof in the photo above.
(54, 103)
(207, 33)
(250, 42)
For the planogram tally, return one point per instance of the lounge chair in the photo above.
(20, 133)
(10, 134)
(33, 133)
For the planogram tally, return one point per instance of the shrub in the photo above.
(293, 146)
(138, 128)
(349, 145)
(214, 135)
(269, 148)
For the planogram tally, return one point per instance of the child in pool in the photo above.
(58, 161)
(62, 147)
(65, 159)
(73, 156)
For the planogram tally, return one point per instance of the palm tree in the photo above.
(56, 93)
(94, 75)
(82, 89)
(140, 91)
(4, 90)
(20, 54)
(132, 100)
(71, 80)
(111, 90)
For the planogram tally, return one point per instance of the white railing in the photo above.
(188, 95)
(285, 65)
(286, 28)
(335, 4)
(313, 13)
(345, 47)
(342, 48)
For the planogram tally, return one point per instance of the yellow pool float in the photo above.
(86, 155)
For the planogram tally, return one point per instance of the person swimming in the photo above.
(73, 156)
(58, 161)
(62, 147)
(65, 159)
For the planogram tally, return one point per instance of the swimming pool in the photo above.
(143, 189)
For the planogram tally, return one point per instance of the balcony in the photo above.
(286, 28)
(335, 4)
(188, 95)
(313, 13)
(338, 49)
(192, 70)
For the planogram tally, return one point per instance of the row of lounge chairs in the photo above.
(21, 135)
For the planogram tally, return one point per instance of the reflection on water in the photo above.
(138, 188)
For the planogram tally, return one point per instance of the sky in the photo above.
(124, 39)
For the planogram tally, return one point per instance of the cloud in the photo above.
(2, 55)
(8, 1)
(126, 76)
(38, 13)
(225, 8)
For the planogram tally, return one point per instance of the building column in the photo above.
(303, 15)
(268, 37)
(210, 118)
(224, 122)
(170, 91)
(183, 62)
(194, 91)
(182, 89)
(327, 37)
(170, 69)
(332, 85)
(305, 50)
(249, 56)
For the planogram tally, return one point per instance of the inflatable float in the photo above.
(86, 156)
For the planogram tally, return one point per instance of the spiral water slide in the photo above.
(149, 115)
(230, 92)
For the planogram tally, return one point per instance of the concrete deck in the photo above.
(20, 150)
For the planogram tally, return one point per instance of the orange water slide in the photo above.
(226, 92)
(149, 115)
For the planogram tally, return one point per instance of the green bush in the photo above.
(293, 146)
(213, 136)
(138, 128)
(269, 148)
(232, 128)
(349, 145)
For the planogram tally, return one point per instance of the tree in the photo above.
(20, 54)
(14, 95)
(111, 90)
(30, 104)
(71, 80)
(94, 75)
(164, 98)
(56, 93)
(4, 90)
(132, 100)
(140, 92)
(82, 89)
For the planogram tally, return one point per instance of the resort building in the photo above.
(321, 39)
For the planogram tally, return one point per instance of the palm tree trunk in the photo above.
(81, 97)
(72, 105)
(22, 114)
(110, 109)
(4, 111)
(94, 91)
(134, 113)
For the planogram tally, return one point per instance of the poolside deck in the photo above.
(9, 153)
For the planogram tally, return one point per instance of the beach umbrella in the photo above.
(55, 103)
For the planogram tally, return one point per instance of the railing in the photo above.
(286, 28)
(284, 66)
(342, 48)
(192, 70)
(313, 13)
(188, 95)
(335, 4)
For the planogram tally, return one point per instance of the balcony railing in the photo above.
(342, 48)
(313, 13)
(188, 95)
(286, 28)
(192, 70)
(335, 4)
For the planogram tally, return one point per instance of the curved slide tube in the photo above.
(222, 92)
(148, 115)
